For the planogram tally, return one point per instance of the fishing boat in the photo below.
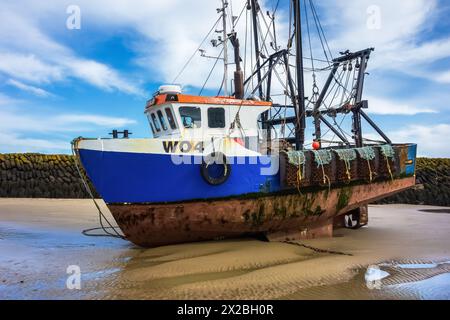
(238, 163)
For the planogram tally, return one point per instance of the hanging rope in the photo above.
(298, 159)
(322, 158)
(347, 155)
(368, 154)
(388, 152)
(102, 216)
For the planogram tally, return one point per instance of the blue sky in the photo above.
(58, 83)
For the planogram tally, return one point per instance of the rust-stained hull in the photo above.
(279, 217)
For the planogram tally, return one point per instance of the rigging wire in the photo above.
(245, 44)
(309, 37)
(196, 50)
(321, 33)
(210, 73)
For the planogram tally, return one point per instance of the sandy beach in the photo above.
(40, 239)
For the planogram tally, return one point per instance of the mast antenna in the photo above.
(225, 48)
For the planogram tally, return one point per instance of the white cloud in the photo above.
(28, 67)
(101, 76)
(403, 42)
(389, 107)
(168, 32)
(101, 121)
(17, 120)
(24, 129)
(7, 101)
(443, 77)
(34, 90)
(13, 143)
(28, 53)
(400, 22)
(431, 139)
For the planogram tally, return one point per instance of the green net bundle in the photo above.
(347, 155)
(366, 153)
(388, 151)
(322, 157)
(297, 158)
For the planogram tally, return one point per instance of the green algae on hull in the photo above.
(344, 198)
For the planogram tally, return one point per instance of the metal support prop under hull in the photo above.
(278, 217)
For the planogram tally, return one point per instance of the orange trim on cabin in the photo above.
(184, 98)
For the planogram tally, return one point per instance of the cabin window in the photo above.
(216, 118)
(156, 123)
(151, 126)
(171, 119)
(162, 120)
(191, 117)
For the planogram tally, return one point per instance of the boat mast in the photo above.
(238, 74)
(255, 9)
(225, 48)
(300, 111)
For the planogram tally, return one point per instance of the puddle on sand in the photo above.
(435, 288)
(397, 281)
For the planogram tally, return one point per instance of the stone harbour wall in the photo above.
(433, 179)
(55, 176)
(40, 176)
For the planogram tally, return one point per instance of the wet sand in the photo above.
(40, 239)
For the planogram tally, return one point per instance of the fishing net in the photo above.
(298, 159)
(322, 157)
(368, 154)
(347, 156)
(388, 152)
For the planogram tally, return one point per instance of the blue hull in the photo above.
(154, 178)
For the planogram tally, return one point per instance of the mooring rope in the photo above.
(299, 177)
(102, 216)
(317, 249)
(347, 155)
(297, 158)
(323, 157)
(368, 154)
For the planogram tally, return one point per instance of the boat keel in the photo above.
(278, 217)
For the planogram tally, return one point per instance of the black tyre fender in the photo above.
(353, 220)
(215, 158)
